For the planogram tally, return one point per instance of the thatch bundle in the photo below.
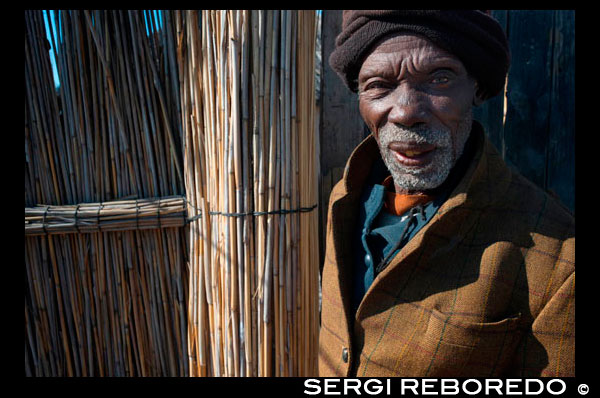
(118, 215)
(214, 113)
(103, 303)
(248, 81)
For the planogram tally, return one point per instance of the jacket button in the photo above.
(345, 355)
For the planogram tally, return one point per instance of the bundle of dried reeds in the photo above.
(247, 87)
(103, 303)
(118, 215)
(237, 88)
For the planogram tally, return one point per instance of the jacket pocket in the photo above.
(460, 348)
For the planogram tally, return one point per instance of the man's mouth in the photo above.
(412, 154)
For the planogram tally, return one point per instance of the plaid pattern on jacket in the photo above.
(485, 289)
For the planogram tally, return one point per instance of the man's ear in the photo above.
(478, 96)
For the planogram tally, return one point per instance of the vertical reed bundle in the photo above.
(103, 303)
(250, 166)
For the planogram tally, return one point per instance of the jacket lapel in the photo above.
(484, 181)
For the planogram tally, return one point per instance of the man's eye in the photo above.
(440, 80)
(441, 77)
(377, 85)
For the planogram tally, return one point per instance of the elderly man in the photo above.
(440, 260)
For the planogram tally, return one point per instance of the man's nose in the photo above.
(409, 108)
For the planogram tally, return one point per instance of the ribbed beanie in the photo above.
(473, 36)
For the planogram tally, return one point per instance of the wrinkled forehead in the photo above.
(393, 50)
(403, 41)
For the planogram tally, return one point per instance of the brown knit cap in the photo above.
(473, 36)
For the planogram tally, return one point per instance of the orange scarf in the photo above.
(398, 203)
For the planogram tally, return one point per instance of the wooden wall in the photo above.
(537, 134)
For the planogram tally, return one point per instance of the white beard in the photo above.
(448, 149)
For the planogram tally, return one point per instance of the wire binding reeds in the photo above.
(250, 148)
(103, 303)
(125, 215)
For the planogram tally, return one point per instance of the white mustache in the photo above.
(419, 135)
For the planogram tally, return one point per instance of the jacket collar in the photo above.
(484, 182)
(486, 178)
(360, 163)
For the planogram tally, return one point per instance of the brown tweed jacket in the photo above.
(486, 288)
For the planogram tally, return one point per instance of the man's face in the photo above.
(417, 100)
